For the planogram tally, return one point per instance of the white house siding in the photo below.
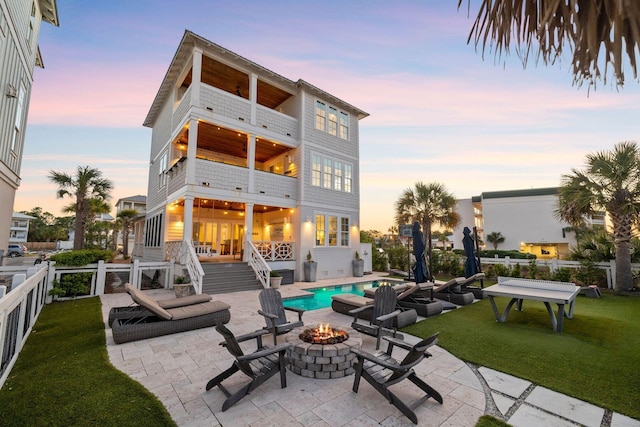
(275, 185)
(17, 61)
(181, 111)
(224, 103)
(279, 123)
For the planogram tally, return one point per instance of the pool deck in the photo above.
(176, 368)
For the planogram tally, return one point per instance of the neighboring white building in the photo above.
(525, 218)
(19, 227)
(138, 204)
(19, 54)
(240, 153)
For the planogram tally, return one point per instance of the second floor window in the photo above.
(331, 174)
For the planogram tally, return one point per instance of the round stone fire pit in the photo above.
(322, 360)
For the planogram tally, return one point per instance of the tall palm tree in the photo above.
(428, 204)
(495, 238)
(610, 181)
(125, 216)
(89, 189)
(596, 30)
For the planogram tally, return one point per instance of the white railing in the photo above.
(111, 277)
(19, 310)
(258, 263)
(183, 252)
(609, 267)
(275, 251)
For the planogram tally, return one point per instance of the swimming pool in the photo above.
(321, 297)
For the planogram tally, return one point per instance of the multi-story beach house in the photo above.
(246, 162)
(525, 218)
(19, 54)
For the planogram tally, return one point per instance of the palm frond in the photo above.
(606, 31)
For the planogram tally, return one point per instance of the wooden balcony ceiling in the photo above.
(226, 141)
(234, 81)
(223, 205)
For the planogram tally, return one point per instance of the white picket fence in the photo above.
(555, 264)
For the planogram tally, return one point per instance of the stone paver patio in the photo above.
(177, 367)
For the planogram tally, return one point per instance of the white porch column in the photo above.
(251, 160)
(196, 76)
(188, 218)
(253, 96)
(192, 147)
(248, 225)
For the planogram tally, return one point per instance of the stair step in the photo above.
(229, 277)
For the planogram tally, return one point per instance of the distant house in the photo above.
(19, 230)
(244, 158)
(138, 204)
(525, 218)
(19, 55)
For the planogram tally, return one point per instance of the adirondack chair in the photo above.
(259, 365)
(274, 313)
(383, 311)
(382, 371)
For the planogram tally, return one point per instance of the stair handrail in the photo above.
(258, 264)
(196, 273)
(183, 252)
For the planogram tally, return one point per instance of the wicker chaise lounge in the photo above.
(155, 321)
(135, 310)
(416, 296)
(451, 292)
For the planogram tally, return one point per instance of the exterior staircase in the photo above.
(225, 277)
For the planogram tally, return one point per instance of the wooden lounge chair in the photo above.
(259, 365)
(382, 371)
(136, 310)
(155, 321)
(450, 292)
(383, 311)
(274, 313)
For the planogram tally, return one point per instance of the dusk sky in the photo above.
(439, 112)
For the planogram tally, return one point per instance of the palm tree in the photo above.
(595, 29)
(428, 204)
(495, 238)
(609, 182)
(89, 189)
(125, 216)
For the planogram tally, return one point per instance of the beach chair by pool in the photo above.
(155, 321)
(274, 313)
(259, 366)
(451, 292)
(382, 371)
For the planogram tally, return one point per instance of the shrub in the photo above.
(81, 257)
(562, 274)
(72, 285)
(502, 254)
(274, 273)
(515, 271)
(397, 257)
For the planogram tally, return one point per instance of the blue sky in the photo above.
(438, 110)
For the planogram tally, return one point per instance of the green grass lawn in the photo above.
(595, 359)
(63, 376)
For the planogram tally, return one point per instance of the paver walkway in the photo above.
(176, 368)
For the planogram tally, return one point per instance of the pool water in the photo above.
(321, 297)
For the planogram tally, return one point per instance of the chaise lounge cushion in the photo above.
(197, 309)
(181, 302)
